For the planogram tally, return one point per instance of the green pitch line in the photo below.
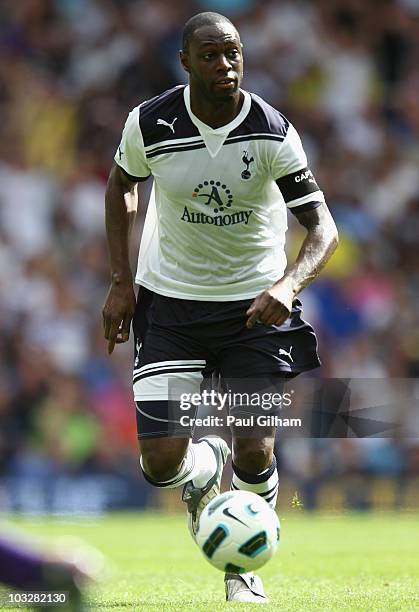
(328, 563)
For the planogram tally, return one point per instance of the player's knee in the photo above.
(252, 456)
(161, 462)
(160, 467)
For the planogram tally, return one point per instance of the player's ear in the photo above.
(184, 60)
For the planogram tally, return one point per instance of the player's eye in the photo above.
(208, 56)
(233, 54)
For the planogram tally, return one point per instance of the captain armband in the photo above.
(297, 185)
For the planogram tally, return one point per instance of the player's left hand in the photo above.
(272, 306)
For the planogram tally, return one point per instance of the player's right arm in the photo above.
(121, 201)
(121, 206)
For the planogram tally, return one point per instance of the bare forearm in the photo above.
(319, 245)
(273, 305)
(120, 205)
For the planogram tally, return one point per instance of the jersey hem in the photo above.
(199, 297)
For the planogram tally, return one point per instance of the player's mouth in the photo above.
(226, 83)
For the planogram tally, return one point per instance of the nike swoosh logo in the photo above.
(227, 512)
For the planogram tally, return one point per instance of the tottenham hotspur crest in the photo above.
(246, 174)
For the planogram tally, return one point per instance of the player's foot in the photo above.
(197, 498)
(245, 587)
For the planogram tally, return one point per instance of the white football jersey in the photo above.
(216, 221)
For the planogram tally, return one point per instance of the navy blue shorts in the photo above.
(180, 342)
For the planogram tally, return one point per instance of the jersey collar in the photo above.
(214, 138)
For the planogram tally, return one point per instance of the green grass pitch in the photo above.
(325, 562)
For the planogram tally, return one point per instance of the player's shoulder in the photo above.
(266, 120)
(163, 103)
(165, 117)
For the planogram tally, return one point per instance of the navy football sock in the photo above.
(264, 484)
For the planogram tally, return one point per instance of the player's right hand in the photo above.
(117, 313)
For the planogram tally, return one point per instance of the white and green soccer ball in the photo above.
(238, 532)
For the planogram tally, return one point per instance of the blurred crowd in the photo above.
(346, 73)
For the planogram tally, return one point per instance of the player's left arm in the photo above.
(273, 306)
(301, 194)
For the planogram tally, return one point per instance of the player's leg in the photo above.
(169, 363)
(258, 361)
(267, 353)
(255, 470)
(254, 462)
(168, 459)
(254, 465)
(170, 462)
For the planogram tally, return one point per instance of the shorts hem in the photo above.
(160, 434)
(153, 398)
(301, 369)
(288, 370)
(153, 434)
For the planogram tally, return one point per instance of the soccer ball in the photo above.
(238, 532)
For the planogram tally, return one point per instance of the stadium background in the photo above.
(346, 74)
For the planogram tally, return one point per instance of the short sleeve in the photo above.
(289, 169)
(130, 155)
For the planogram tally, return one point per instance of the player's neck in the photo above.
(216, 114)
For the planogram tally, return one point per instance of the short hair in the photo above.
(198, 21)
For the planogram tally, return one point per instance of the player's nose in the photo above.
(223, 63)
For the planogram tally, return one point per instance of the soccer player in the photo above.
(214, 294)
